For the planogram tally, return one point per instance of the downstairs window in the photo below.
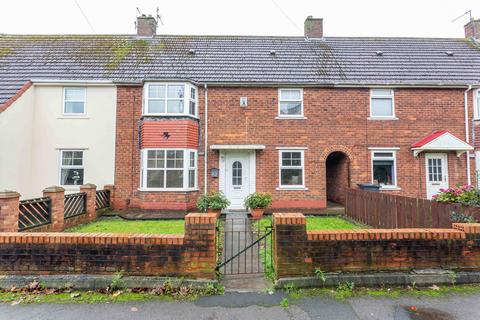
(384, 168)
(169, 169)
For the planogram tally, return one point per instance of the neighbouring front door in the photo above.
(437, 172)
(237, 178)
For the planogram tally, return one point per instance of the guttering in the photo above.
(467, 134)
(71, 82)
(205, 170)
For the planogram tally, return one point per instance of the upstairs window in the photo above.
(290, 103)
(74, 101)
(384, 168)
(382, 103)
(71, 168)
(477, 104)
(170, 99)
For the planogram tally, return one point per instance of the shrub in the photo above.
(258, 200)
(466, 195)
(461, 218)
(214, 200)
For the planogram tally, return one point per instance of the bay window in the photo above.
(170, 99)
(169, 169)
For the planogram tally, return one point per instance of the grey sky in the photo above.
(250, 17)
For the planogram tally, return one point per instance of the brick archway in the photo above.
(337, 173)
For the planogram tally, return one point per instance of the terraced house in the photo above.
(166, 117)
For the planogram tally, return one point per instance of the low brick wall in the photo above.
(190, 255)
(298, 251)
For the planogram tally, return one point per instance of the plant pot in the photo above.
(217, 211)
(257, 213)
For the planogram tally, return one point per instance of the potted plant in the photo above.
(257, 202)
(213, 202)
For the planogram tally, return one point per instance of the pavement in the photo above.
(258, 306)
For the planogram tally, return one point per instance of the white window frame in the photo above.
(296, 116)
(186, 99)
(476, 104)
(280, 167)
(186, 169)
(373, 96)
(393, 157)
(64, 101)
(61, 166)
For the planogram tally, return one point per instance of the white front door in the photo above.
(237, 178)
(436, 165)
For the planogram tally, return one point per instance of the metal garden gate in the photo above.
(244, 246)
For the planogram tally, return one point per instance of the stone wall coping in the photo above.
(385, 234)
(53, 189)
(468, 228)
(200, 218)
(89, 238)
(289, 218)
(9, 194)
(88, 186)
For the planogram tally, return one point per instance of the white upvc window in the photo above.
(476, 104)
(290, 103)
(72, 169)
(170, 99)
(169, 169)
(291, 169)
(382, 104)
(74, 101)
(384, 168)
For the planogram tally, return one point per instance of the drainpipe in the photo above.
(467, 134)
(205, 173)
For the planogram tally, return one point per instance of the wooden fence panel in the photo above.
(383, 210)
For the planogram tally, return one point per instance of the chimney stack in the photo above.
(472, 30)
(313, 27)
(146, 26)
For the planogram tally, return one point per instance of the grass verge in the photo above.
(117, 225)
(329, 223)
(347, 290)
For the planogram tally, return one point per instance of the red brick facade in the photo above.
(336, 120)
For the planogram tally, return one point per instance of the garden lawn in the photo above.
(132, 226)
(329, 223)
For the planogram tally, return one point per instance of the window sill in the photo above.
(167, 190)
(291, 188)
(291, 118)
(170, 115)
(74, 117)
(390, 188)
(382, 118)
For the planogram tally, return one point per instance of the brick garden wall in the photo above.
(298, 252)
(190, 255)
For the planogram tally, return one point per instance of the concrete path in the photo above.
(258, 306)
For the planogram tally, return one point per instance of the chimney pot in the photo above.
(472, 29)
(146, 26)
(313, 27)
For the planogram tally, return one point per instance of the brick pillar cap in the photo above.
(54, 189)
(8, 194)
(88, 186)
